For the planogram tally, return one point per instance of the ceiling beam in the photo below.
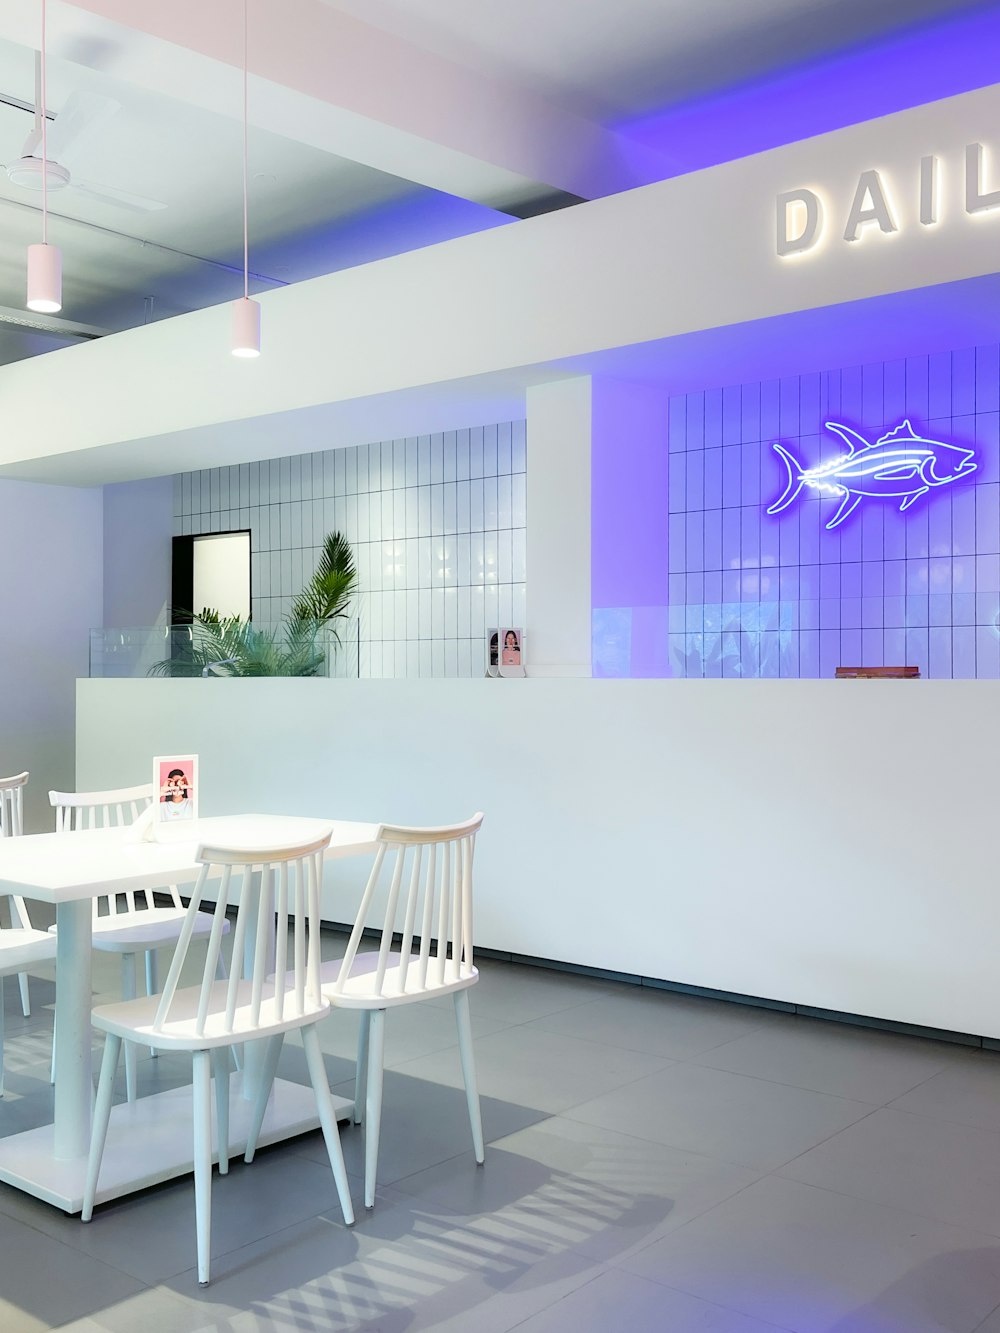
(538, 297)
(341, 85)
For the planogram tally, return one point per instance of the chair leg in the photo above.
(327, 1119)
(469, 1071)
(22, 981)
(202, 1071)
(373, 1101)
(270, 1064)
(220, 1073)
(152, 984)
(129, 984)
(361, 1068)
(102, 1114)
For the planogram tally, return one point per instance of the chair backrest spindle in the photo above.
(78, 811)
(12, 826)
(282, 881)
(429, 890)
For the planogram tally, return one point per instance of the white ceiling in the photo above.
(617, 58)
(190, 160)
(312, 210)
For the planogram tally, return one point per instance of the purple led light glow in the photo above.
(936, 61)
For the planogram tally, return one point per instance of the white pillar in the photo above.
(558, 535)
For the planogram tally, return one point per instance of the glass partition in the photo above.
(249, 648)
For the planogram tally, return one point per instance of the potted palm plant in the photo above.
(232, 646)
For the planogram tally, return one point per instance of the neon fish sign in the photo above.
(900, 465)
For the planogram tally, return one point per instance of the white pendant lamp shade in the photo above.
(246, 327)
(44, 279)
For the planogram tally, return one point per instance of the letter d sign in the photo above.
(800, 217)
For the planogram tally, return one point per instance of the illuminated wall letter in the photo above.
(862, 211)
(801, 214)
(975, 200)
(928, 190)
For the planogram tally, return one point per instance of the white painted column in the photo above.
(558, 536)
(628, 535)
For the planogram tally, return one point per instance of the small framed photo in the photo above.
(175, 788)
(511, 651)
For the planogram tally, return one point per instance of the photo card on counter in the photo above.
(511, 651)
(175, 788)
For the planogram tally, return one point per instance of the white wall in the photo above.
(138, 518)
(818, 842)
(50, 598)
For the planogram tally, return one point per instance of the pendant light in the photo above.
(44, 260)
(246, 313)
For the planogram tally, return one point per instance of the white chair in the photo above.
(212, 1017)
(21, 947)
(12, 826)
(429, 905)
(128, 923)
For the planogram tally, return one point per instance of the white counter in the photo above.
(832, 844)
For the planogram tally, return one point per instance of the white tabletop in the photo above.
(68, 867)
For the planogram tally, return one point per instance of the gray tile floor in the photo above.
(655, 1163)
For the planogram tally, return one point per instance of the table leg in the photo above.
(74, 1078)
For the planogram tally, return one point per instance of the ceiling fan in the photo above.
(83, 113)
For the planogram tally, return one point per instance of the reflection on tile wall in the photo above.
(753, 595)
(437, 523)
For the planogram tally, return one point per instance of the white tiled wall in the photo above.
(437, 523)
(756, 595)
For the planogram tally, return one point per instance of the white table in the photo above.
(149, 1140)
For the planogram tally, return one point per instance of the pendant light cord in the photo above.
(246, 253)
(45, 158)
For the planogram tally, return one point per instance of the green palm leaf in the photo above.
(231, 646)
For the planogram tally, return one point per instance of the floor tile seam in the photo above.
(551, 1305)
(663, 1061)
(939, 1119)
(780, 1166)
(607, 1045)
(946, 1068)
(217, 1254)
(638, 1139)
(437, 1050)
(601, 1270)
(775, 1083)
(619, 1045)
(79, 1250)
(729, 1309)
(931, 1115)
(843, 1032)
(158, 1288)
(658, 1143)
(562, 1009)
(902, 1210)
(697, 1062)
(694, 1217)
(399, 1183)
(986, 1320)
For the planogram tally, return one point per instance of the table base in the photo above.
(150, 1140)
